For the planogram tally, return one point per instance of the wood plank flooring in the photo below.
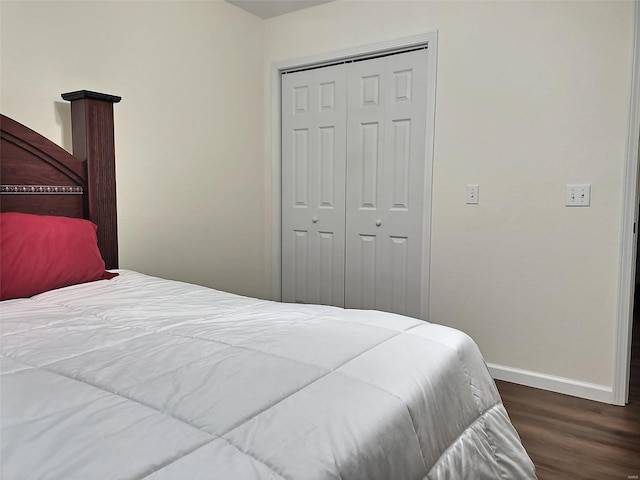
(570, 438)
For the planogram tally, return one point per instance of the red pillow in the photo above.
(40, 253)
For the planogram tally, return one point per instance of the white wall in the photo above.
(530, 96)
(190, 170)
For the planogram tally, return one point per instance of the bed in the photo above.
(120, 375)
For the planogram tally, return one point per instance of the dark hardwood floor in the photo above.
(570, 438)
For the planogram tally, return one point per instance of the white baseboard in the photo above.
(589, 391)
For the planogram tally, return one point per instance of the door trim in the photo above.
(277, 68)
(628, 242)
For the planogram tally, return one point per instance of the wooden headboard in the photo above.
(37, 176)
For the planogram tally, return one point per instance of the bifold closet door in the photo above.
(386, 128)
(313, 185)
(353, 173)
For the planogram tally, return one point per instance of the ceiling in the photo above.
(273, 8)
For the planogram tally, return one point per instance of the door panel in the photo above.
(353, 173)
(301, 166)
(399, 273)
(299, 264)
(400, 161)
(327, 166)
(366, 180)
(313, 185)
(364, 256)
(386, 128)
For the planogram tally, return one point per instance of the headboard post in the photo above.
(93, 143)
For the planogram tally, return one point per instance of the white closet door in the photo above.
(386, 130)
(313, 185)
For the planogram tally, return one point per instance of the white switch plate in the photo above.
(472, 194)
(578, 195)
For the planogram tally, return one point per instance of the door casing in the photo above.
(629, 237)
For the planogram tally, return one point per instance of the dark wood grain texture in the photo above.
(94, 144)
(28, 159)
(577, 439)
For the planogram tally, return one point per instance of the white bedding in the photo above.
(139, 377)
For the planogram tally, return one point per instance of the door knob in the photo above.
(314, 219)
(378, 222)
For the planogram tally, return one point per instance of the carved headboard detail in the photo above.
(38, 176)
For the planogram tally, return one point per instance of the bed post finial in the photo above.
(93, 143)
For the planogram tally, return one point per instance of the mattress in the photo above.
(139, 377)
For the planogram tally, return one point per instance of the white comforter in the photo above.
(139, 377)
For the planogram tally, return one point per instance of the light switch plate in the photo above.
(472, 194)
(578, 195)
